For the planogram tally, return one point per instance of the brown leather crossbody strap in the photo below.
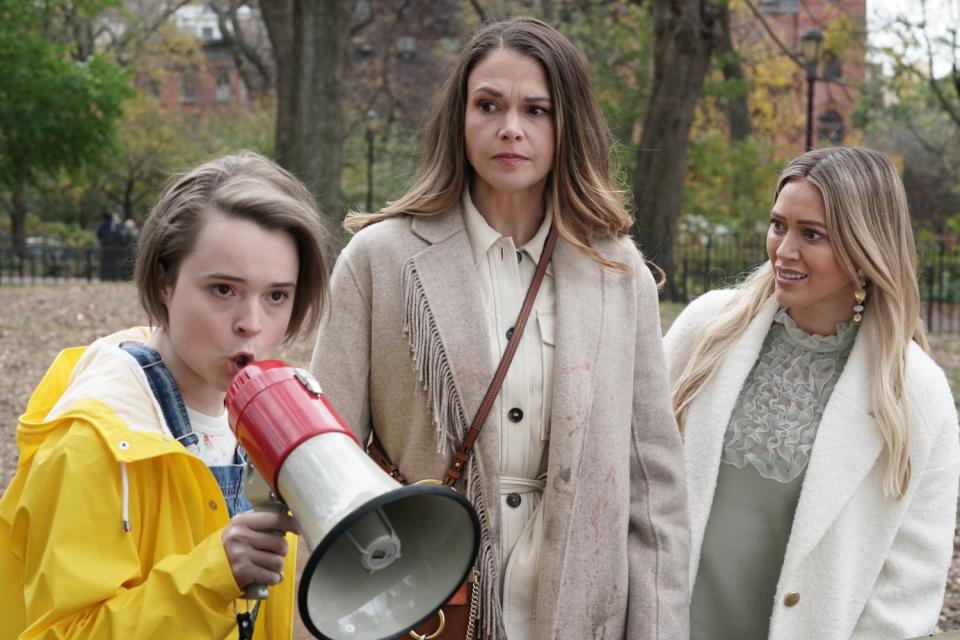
(379, 455)
(462, 456)
(375, 448)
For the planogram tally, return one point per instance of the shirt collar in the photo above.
(482, 236)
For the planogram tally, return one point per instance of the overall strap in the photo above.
(165, 390)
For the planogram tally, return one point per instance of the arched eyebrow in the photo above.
(809, 223)
(231, 278)
(496, 93)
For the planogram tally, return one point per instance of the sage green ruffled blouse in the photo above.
(766, 450)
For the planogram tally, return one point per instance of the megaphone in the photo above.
(383, 557)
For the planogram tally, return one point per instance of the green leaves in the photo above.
(56, 113)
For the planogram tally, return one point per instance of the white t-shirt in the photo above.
(217, 444)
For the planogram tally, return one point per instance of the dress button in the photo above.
(791, 599)
(515, 415)
(509, 333)
(513, 500)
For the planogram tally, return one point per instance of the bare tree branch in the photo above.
(134, 37)
(948, 107)
(255, 71)
(783, 48)
(480, 12)
(356, 26)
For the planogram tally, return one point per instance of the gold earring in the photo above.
(859, 296)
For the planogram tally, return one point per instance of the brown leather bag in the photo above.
(457, 619)
(459, 616)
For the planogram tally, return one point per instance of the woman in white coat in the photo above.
(820, 438)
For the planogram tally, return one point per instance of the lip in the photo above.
(239, 360)
(787, 282)
(510, 158)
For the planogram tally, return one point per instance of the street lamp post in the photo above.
(810, 51)
(371, 117)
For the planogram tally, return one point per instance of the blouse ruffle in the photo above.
(775, 422)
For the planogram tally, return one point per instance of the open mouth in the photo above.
(791, 275)
(242, 359)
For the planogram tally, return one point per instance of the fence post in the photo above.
(707, 260)
(930, 298)
(686, 295)
(89, 265)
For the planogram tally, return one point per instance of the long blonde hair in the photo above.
(581, 191)
(868, 224)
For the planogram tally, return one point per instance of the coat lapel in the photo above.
(580, 315)
(706, 422)
(449, 279)
(846, 449)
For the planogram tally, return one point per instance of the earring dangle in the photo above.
(859, 297)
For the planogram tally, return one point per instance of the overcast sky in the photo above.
(941, 14)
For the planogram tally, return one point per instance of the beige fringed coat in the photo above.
(405, 341)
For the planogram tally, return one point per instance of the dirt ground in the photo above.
(36, 322)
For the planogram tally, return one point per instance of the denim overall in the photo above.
(229, 476)
(167, 393)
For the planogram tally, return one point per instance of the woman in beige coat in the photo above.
(820, 437)
(577, 473)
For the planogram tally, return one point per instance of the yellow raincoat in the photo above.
(95, 452)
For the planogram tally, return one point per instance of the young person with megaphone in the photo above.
(513, 242)
(125, 518)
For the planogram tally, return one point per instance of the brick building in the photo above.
(212, 83)
(840, 73)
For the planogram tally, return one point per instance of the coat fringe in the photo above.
(491, 609)
(432, 364)
(433, 371)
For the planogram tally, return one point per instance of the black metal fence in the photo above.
(46, 261)
(705, 262)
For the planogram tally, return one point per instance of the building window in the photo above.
(221, 90)
(830, 127)
(832, 67)
(206, 33)
(188, 86)
(406, 47)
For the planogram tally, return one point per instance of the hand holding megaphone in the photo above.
(384, 557)
(255, 548)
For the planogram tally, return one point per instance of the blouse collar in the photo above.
(482, 236)
(844, 336)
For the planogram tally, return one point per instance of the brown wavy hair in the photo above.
(582, 192)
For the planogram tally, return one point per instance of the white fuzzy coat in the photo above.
(864, 565)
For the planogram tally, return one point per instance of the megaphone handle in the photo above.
(256, 591)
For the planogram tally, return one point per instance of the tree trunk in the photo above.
(686, 32)
(278, 18)
(310, 68)
(738, 113)
(18, 218)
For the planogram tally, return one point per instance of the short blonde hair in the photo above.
(243, 185)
